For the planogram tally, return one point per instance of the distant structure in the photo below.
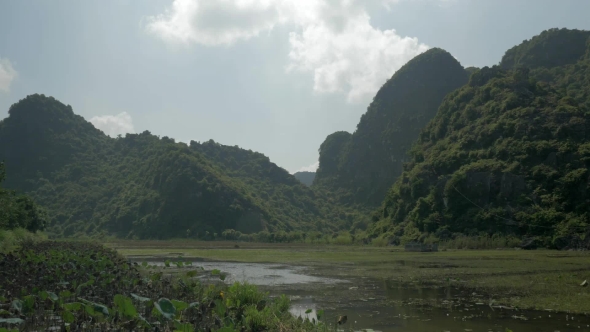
(420, 247)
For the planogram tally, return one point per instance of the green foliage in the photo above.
(552, 48)
(11, 239)
(505, 154)
(144, 186)
(360, 168)
(291, 205)
(572, 81)
(166, 308)
(379, 242)
(480, 241)
(18, 211)
(64, 265)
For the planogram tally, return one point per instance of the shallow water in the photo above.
(403, 318)
(388, 306)
(262, 274)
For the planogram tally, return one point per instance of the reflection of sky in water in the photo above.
(259, 274)
(364, 312)
(301, 305)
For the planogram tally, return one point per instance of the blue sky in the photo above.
(274, 76)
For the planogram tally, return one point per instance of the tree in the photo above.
(19, 211)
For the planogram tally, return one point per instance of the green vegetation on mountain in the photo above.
(504, 154)
(144, 186)
(360, 168)
(305, 177)
(551, 48)
(471, 70)
(18, 211)
(497, 152)
(572, 80)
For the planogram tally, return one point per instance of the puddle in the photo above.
(388, 306)
(260, 274)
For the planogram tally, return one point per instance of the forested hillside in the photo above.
(551, 48)
(362, 166)
(445, 150)
(18, 211)
(508, 153)
(150, 187)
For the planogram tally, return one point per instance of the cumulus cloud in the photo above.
(7, 74)
(388, 4)
(114, 125)
(311, 168)
(332, 39)
(356, 60)
(214, 22)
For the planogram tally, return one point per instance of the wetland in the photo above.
(226, 286)
(387, 289)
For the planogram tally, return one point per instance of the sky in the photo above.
(273, 76)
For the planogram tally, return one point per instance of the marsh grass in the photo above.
(343, 238)
(527, 279)
(379, 242)
(481, 242)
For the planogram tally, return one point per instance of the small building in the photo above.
(420, 247)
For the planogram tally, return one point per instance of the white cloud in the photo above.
(388, 4)
(356, 60)
(114, 125)
(311, 168)
(333, 39)
(7, 74)
(214, 22)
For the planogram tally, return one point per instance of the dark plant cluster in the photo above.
(75, 286)
(19, 211)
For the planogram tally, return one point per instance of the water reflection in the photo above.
(261, 274)
(388, 306)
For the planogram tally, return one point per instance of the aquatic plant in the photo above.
(73, 286)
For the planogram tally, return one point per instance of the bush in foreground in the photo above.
(82, 286)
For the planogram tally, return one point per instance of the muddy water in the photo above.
(387, 306)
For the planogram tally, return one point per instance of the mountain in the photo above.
(305, 177)
(551, 48)
(145, 186)
(571, 79)
(362, 166)
(508, 153)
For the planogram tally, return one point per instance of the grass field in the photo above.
(539, 279)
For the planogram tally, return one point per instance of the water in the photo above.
(262, 274)
(467, 317)
(388, 306)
